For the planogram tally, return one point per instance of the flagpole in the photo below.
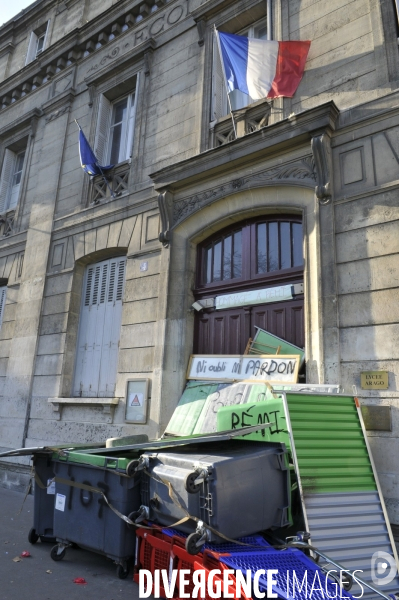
(102, 172)
(225, 80)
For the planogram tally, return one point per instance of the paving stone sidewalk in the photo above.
(29, 579)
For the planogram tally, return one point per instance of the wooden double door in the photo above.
(228, 331)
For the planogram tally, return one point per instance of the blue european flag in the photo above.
(88, 159)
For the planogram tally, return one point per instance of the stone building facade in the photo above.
(185, 201)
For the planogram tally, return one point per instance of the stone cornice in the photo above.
(7, 49)
(40, 7)
(279, 137)
(36, 66)
(20, 123)
(91, 38)
(96, 76)
(210, 9)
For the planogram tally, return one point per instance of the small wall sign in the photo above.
(275, 294)
(374, 380)
(136, 400)
(377, 418)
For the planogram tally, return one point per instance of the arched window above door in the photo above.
(256, 254)
(261, 250)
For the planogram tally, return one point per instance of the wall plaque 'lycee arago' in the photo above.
(374, 380)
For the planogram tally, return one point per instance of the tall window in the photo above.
(11, 177)
(37, 43)
(99, 329)
(264, 249)
(220, 104)
(115, 127)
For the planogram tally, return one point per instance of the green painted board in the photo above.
(229, 395)
(329, 443)
(244, 415)
(267, 343)
(189, 408)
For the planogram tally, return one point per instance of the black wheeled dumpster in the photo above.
(231, 489)
(82, 515)
(44, 498)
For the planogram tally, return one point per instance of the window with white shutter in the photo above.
(15, 183)
(99, 329)
(220, 104)
(115, 128)
(104, 115)
(10, 179)
(37, 42)
(3, 294)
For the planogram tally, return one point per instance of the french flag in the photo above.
(262, 68)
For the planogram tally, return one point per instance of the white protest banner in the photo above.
(274, 368)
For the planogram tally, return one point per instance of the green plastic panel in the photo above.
(244, 415)
(331, 450)
(189, 408)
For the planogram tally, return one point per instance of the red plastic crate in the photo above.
(206, 562)
(153, 552)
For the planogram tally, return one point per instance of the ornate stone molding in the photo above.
(143, 23)
(55, 107)
(7, 223)
(201, 27)
(300, 172)
(321, 148)
(147, 62)
(125, 59)
(110, 56)
(164, 204)
(57, 113)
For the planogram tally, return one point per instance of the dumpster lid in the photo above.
(219, 436)
(45, 449)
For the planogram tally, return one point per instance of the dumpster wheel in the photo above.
(122, 571)
(32, 536)
(192, 546)
(57, 553)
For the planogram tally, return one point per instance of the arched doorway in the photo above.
(256, 254)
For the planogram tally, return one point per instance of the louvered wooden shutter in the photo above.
(99, 329)
(102, 132)
(219, 93)
(6, 176)
(131, 122)
(3, 293)
(112, 324)
(31, 53)
(46, 36)
(13, 196)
